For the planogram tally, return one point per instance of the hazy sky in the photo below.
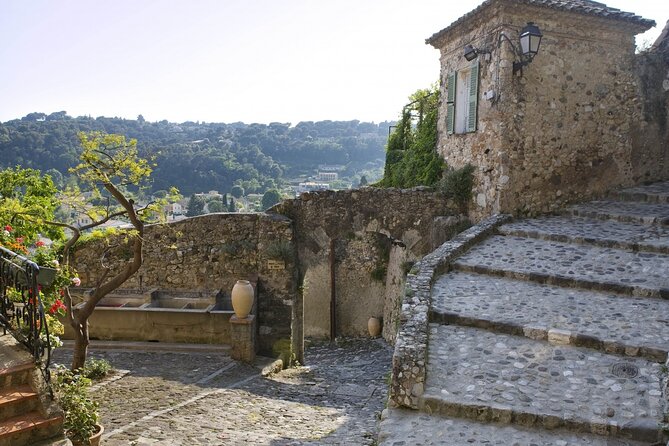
(227, 60)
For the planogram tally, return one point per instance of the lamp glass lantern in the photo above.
(470, 53)
(530, 39)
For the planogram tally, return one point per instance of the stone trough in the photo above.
(154, 315)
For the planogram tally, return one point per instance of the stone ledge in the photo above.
(409, 358)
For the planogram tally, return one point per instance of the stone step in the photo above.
(17, 400)
(607, 234)
(631, 326)
(498, 378)
(401, 427)
(625, 211)
(652, 193)
(29, 428)
(16, 375)
(564, 264)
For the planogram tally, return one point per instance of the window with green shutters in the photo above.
(462, 100)
(450, 103)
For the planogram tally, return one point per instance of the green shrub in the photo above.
(457, 184)
(81, 412)
(379, 273)
(96, 368)
(281, 250)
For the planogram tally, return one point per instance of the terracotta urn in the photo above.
(242, 298)
(374, 327)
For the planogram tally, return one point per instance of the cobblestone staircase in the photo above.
(555, 331)
(27, 415)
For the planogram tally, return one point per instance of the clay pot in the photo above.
(374, 327)
(242, 298)
(94, 440)
(46, 275)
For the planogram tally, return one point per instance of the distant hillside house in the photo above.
(174, 209)
(331, 167)
(311, 186)
(576, 121)
(328, 176)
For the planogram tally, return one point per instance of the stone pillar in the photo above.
(243, 338)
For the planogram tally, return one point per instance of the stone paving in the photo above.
(400, 427)
(626, 211)
(505, 377)
(638, 273)
(634, 326)
(652, 193)
(200, 399)
(553, 333)
(612, 234)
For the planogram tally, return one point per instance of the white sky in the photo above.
(228, 60)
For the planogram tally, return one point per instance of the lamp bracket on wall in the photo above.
(530, 39)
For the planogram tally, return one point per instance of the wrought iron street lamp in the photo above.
(530, 40)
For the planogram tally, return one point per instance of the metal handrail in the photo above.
(25, 320)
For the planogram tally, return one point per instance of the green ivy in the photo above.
(411, 154)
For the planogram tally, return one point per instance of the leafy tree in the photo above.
(109, 163)
(237, 191)
(216, 206)
(56, 177)
(195, 206)
(232, 207)
(27, 201)
(270, 198)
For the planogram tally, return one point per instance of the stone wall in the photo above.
(361, 227)
(212, 252)
(650, 137)
(571, 127)
(410, 355)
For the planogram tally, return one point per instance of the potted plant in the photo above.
(81, 412)
(47, 260)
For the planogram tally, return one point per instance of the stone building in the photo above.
(585, 116)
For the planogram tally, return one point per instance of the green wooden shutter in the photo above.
(473, 97)
(450, 103)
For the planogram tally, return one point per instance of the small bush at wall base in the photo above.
(457, 184)
(407, 266)
(379, 273)
(282, 250)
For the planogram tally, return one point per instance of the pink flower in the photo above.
(8, 228)
(19, 240)
(76, 281)
(39, 243)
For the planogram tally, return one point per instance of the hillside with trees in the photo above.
(198, 156)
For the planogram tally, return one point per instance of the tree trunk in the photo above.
(80, 344)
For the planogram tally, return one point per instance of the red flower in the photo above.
(39, 243)
(8, 228)
(19, 240)
(57, 306)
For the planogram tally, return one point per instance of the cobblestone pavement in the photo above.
(612, 233)
(629, 211)
(545, 384)
(407, 428)
(639, 273)
(202, 399)
(635, 326)
(652, 193)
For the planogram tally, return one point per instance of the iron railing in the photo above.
(21, 309)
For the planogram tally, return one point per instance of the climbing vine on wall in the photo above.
(411, 153)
